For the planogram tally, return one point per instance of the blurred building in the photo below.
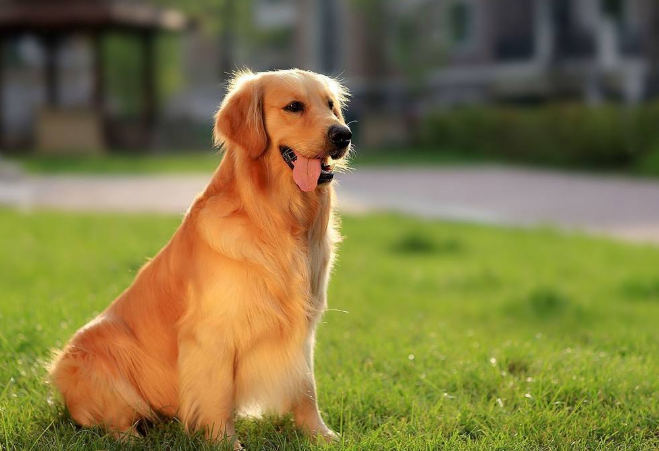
(53, 67)
(530, 51)
(402, 58)
(485, 50)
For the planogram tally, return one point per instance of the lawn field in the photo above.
(206, 161)
(439, 335)
(122, 163)
(192, 162)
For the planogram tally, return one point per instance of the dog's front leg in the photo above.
(207, 389)
(305, 405)
(306, 414)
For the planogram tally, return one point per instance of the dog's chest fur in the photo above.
(277, 281)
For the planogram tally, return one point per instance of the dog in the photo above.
(222, 320)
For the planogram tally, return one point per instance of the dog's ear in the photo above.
(239, 120)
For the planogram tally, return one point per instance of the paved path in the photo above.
(620, 206)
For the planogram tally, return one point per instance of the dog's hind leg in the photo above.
(95, 393)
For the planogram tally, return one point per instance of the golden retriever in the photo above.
(222, 320)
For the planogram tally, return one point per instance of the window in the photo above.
(613, 8)
(513, 33)
(460, 22)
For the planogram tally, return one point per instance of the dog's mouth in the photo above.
(307, 172)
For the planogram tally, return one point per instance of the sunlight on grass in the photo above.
(439, 336)
(203, 162)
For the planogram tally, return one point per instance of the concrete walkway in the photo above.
(625, 207)
(613, 205)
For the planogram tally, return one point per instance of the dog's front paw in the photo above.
(327, 435)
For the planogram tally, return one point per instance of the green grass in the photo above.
(122, 163)
(416, 156)
(649, 164)
(439, 335)
(206, 162)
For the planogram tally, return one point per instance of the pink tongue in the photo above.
(306, 172)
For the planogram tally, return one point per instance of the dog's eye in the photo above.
(330, 104)
(294, 107)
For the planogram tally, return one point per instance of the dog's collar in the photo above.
(289, 156)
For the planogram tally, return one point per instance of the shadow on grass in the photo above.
(545, 304)
(641, 290)
(419, 242)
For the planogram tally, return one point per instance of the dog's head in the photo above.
(295, 114)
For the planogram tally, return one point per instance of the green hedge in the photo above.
(565, 134)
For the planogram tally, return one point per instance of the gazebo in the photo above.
(52, 21)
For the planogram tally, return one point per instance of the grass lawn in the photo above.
(439, 336)
(206, 161)
(122, 163)
(192, 162)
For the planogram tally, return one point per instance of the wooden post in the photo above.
(2, 98)
(98, 73)
(653, 53)
(98, 93)
(51, 44)
(227, 36)
(149, 81)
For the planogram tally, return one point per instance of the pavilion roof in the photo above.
(62, 16)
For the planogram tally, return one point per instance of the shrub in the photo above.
(560, 134)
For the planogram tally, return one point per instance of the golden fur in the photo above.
(222, 320)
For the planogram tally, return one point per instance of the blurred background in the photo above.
(115, 86)
(138, 75)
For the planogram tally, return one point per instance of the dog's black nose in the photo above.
(340, 136)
